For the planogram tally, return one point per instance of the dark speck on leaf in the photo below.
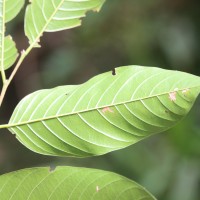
(113, 72)
(52, 168)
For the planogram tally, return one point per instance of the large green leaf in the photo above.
(106, 113)
(55, 15)
(69, 183)
(8, 52)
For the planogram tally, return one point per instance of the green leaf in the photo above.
(106, 113)
(50, 16)
(69, 183)
(8, 52)
(12, 8)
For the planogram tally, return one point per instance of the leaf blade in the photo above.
(104, 114)
(8, 52)
(12, 8)
(50, 16)
(68, 183)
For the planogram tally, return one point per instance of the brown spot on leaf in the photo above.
(172, 96)
(107, 109)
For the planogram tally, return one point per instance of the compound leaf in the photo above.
(109, 112)
(55, 15)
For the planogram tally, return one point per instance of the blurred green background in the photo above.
(162, 33)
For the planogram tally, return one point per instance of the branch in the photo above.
(7, 82)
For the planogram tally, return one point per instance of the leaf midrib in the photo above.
(47, 23)
(88, 110)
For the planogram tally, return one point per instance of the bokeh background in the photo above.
(162, 33)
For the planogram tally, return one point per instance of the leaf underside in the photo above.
(8, 52)
(55, 15)
(12, 8)
(106, 113)
(69, 183)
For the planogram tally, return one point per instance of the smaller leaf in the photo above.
(10, 53)
(13, 7)
(50, 16)
(69, 183)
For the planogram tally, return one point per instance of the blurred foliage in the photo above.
(162, 33)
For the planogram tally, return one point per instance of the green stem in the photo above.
(34, 43)
(3, 75)
(4, 126)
